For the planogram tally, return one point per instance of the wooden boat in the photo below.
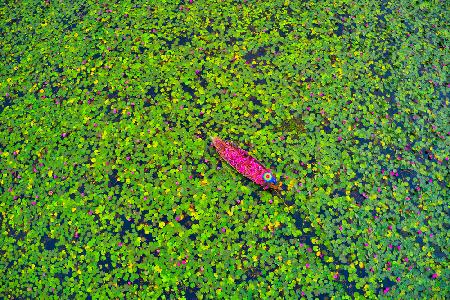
(245, 164)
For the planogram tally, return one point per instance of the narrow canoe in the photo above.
(245, 164)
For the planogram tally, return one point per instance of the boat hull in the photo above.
(241, 161)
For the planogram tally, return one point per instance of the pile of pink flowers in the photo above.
(241, 161)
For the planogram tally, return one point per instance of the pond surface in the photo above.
(110, 186)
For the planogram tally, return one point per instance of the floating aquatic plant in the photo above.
(109, 188)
